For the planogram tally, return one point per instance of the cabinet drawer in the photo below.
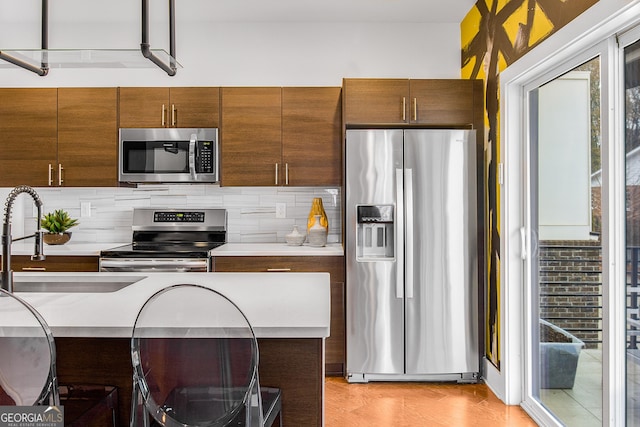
(23, 263)
(333, 265)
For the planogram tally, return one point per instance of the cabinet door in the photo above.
(334, 265)
(88, 136)
(376, 101)
(28, 136)
(441, 102)
(144, 107)
(194, 107)
(251, 135)
(311, 136)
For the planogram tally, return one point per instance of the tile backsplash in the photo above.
(251, 210)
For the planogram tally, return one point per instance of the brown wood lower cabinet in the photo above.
(293, 365)
(334, 265)
(23, 263)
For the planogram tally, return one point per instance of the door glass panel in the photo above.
(567, 261)
(632, 161)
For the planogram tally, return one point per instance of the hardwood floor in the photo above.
(417, 404)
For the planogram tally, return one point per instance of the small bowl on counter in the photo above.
(295, 238)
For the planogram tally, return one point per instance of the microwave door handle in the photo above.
(192, 155)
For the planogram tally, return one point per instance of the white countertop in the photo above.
(25, 247)
(276, 249)
(278, 305)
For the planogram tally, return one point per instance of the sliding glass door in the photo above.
(582, 221)
(566, 233)
(631, 70)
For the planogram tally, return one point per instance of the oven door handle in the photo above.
(154, 264)
(192, 155)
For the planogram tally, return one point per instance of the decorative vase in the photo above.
(317, 209)
(295, 238)
(317, 233)
(56, 238)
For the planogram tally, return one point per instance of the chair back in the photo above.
(27, 355)
(195, 360)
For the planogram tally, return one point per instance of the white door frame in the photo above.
(594, 29)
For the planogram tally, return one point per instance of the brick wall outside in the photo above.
(570, 284)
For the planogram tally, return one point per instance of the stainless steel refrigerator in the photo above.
(412, 264)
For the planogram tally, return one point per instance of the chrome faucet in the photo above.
(6, 273)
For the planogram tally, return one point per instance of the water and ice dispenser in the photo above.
(375, 236)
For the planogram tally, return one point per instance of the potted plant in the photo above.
(57, 223)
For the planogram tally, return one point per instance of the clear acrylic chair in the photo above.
(27, 355)
(195, 363)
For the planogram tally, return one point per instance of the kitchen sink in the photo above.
(73, 284)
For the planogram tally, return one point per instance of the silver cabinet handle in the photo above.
(173, 115)
(278, 270)
(163, 114)
(34, 268)
(50, 175)
(60, 169)
(286, 173)
(408, 188)
(276, 174)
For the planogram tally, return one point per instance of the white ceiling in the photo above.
(444, 11)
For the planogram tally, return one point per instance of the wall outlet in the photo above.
(281, 210)
(85, 209)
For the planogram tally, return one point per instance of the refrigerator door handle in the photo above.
(408, 196)
(399, 234)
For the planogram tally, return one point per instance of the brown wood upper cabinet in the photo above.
(28, 135)
(251, 136)
(184, 107)
(311, 136)
(393, 101)
(281, 136)
(58, 137)
(87, 137)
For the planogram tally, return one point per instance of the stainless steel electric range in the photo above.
(169, 240)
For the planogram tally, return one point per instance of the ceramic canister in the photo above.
(317, 233)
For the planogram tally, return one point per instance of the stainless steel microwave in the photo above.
(184, 155)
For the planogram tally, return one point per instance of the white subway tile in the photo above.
(250, 210)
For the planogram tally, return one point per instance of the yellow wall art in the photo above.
(494, 34)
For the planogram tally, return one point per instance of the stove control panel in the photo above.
(178, 216)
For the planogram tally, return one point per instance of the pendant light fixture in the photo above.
(41, 60)
(171, 67)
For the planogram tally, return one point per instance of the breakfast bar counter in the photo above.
(92, 326)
